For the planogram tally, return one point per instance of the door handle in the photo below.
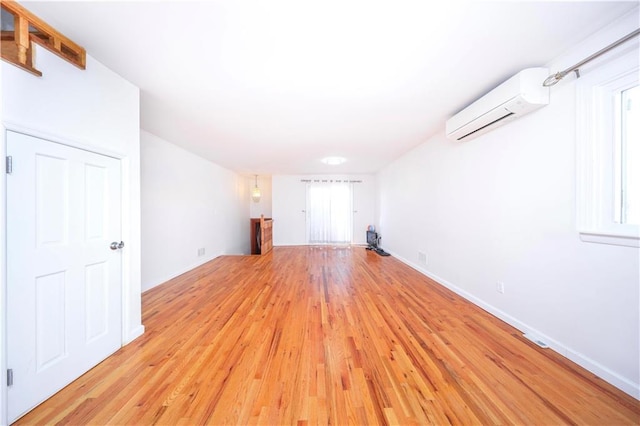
(116, 245)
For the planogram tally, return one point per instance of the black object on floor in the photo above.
(381, 252)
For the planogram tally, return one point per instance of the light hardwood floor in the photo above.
(312, 335)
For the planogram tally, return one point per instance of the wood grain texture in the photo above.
(311, 335)
(29, 28)
(266, 235)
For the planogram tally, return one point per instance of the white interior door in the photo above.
(362, 216)
(64, 293)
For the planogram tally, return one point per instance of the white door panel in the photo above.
(63, 280)
(363, 207)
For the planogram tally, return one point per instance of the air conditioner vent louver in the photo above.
(508, 114)
(520, 95)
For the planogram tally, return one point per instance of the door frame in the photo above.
(127, 261)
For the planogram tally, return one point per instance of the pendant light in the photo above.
(255, 192)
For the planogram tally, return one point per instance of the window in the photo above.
(608, 153)
(329, 212)
(627, 169)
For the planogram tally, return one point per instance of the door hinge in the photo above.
(10, 377)
(9, 164)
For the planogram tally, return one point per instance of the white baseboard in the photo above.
(179, 272)
(133, 334)
(596, 368)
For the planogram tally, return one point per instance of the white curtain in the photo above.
(329, 212)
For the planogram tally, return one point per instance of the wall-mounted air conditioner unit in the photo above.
(516, 97)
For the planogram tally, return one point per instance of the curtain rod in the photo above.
(330, 180)
(555, 78)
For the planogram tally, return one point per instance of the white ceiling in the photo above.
(271, 87)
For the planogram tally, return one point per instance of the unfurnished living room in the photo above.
(320, 212)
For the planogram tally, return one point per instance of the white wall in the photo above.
(501, 208)
(289, 205)
(264, 205)
(93, 109)
(3, 266)
(188, 203)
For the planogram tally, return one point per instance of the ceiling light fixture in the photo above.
(255, 192)
(333, 161)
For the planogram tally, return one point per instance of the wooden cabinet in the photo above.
(261, 235)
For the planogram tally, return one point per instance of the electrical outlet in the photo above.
(201, 252)
(500, 287)
(422, 258)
